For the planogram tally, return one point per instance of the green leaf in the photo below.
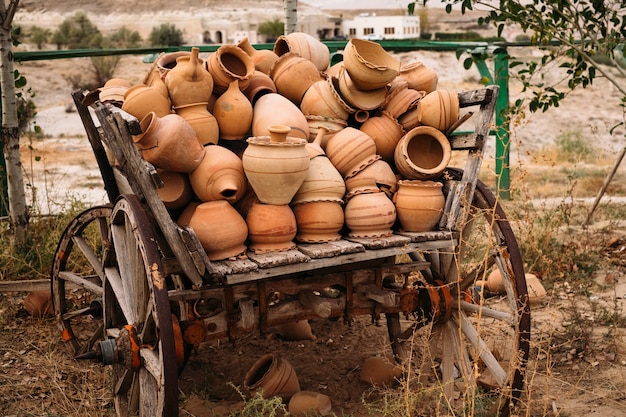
(467, 63)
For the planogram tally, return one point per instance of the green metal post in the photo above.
(501, 70)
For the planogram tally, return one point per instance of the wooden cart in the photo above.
(148, 291)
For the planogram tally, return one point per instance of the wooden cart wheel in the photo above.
(76, 279)
(471, 344)
(137, 318)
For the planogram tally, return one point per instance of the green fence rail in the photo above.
(479, 50)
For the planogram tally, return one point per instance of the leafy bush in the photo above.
(77, 32)
(166, 35)
(39, 36)
(272, 29)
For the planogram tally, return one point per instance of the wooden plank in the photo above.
(381, 242)
(330, 249)
(430, 236)
(229, 267)
(274, 259)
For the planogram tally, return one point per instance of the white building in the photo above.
(373, 27)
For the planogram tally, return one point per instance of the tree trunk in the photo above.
(291, 16)
(18, 211)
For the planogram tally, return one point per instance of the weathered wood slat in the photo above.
(330, 249)
(381, 242)
(274, 259)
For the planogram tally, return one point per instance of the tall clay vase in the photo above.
(439, 109)
(319, 221)
(271, 228)
(219, 176)
(274, 109)
(227, 64)
(369, 215)
(220, 229)
(140, 99)
(370, 66)
(201, 120)
(293, 75)
(169, 143)
(419, 204)
(189, 82)
(419, 77)
(273, 376)
(262, 58)
(386, 132)
(423, 153)
(306, 46)
(351, 151)
(176, 192)
(233, 112)
(276, 165)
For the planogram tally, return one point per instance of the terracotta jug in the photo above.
(295, 330)
(308, 403)
(370, 214)
(328, 125)
(274, 109)
(227, 64)
(321, 99)
(319, 221)
(370, 66)
(419, 77)
(166, 61)
(201, 120)
(219, 176)
(262, 58)
(169, 142)
(176, 192)
(272, 375)
(439, 109)
(423, 153)
(306, 46)
(386, 132)
(189, 82)
(351, 151)
(233, 112)
(220, 229)
(276, 165)
(419, 204)
(380, 372)
(139, 100)
(293, 75)
(271, 228)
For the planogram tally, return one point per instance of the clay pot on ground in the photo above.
(176, 192)
(369, 215)
(220, 229)
(422, 153)
(358, 98)
(201, 120)
(419, 77)
(295, 330)
(169, 142)
(306, 46)
(419, 204)
(293, 75)
(219, 176)
(274, 109)
(139, 100)
(273, 376)
(39, 304)
(227, 64)
(439, 109)
(380, 372)
(189, 82)
(276, 165)
(319, 221)
(370, 66)
(262, 58)
(233, 112)
(308, 403)
(271, 228)
(258, 85)
(386, 132)
(351, 150)
(536, 290)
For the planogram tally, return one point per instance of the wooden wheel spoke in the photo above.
(82, 281)
(124, 382)
(90, 255)
(152, 363)
(115, 281)
(487, 312)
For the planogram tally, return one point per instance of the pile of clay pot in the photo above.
(259, 149)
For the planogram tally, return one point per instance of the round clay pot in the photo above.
(351, 150)
(370, 215)
(176, 192)
(321, 99)
(233, 112)
(536, 290)
(360, 184)
(169, 142)
(386, 132)
(423, 153)
(383, 175)
(419, 204)
(166, 61)
(272, 375)
(327, 126)
(357, 98)
(276, 165)
(259, 84)
(380, 372)
(439, 109)
(295, 330)
(319, 221)
(219, 176)
(419, 77)
(189, 82)
(401, 99)
(111, 92)
(307, 403)
(322, 183)
(227, 64)
(274, 109)
(370, 66)
(201, 120)
(220, 229)
(39, 304)
(293, 75)
(494, 282)
(306, 46)
(262, 58)
(139, 100)
(271, 228)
